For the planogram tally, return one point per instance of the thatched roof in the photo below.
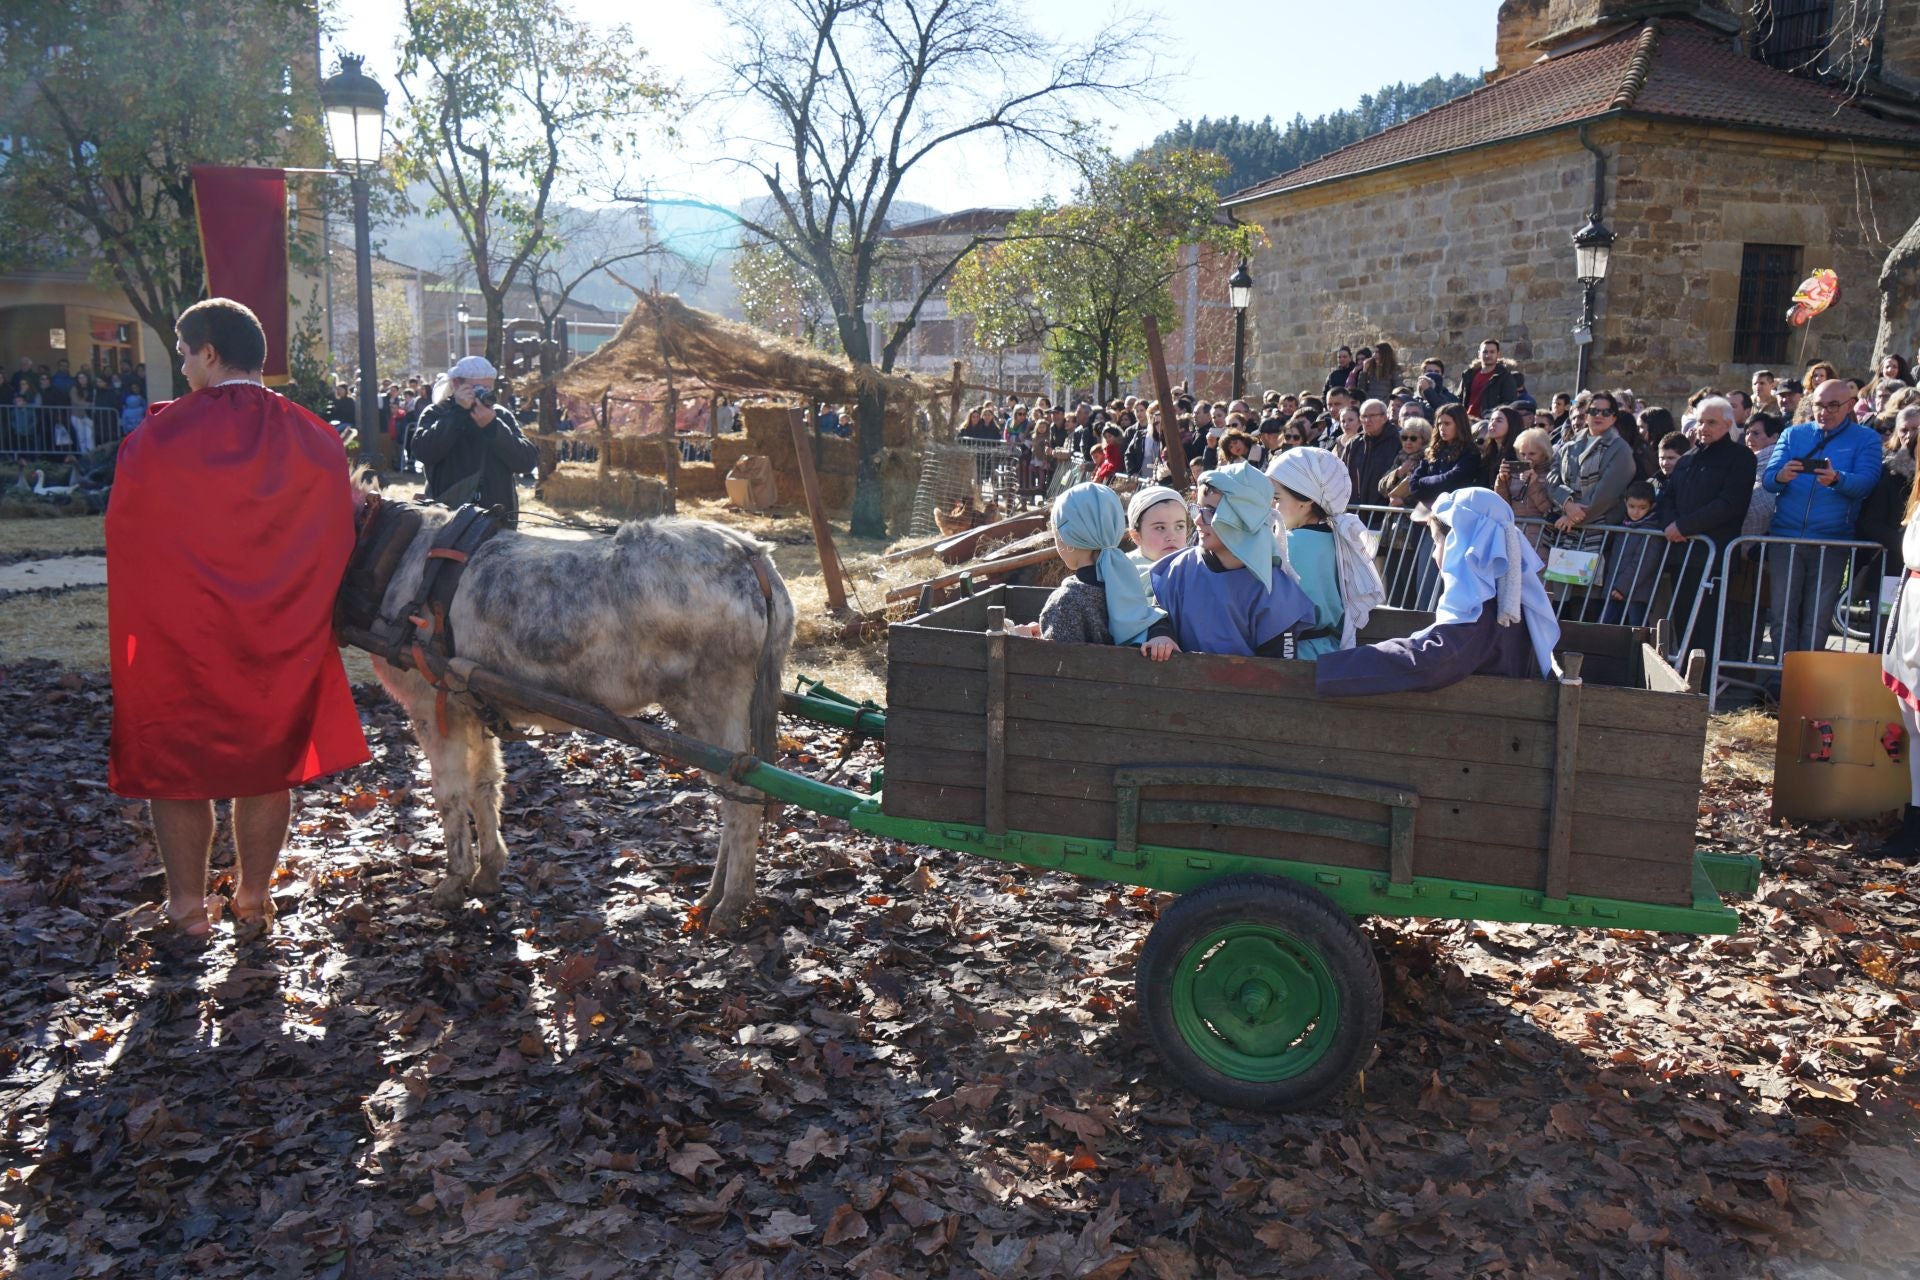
(664, 341)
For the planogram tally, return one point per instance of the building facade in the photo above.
(1728, 160)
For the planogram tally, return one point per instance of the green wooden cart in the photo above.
(1276, 815)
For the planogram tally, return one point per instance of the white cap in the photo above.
(472, 367)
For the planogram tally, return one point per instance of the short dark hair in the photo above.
(1639, 491)
(1493, 342)
(1675, 441)
(231, 329)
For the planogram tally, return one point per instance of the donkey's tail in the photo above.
(768, 676)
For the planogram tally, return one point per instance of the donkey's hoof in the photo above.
(485, 883)
(449, 896)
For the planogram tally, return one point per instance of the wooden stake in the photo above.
(1174, 449)
(953, 402)
(817, 510)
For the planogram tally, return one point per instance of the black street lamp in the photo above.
(356, 111)
(1240, 294)
(1592, 246)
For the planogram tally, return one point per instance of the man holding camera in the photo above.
(471, 447)
(1821, 471)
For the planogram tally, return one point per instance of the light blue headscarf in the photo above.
(1485, 558)
(1091, 517)
(1244, 520)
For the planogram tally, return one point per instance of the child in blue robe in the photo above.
(1223, 595)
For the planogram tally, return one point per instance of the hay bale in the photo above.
(579, 486)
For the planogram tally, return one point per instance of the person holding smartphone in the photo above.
(1820, 472)
(472, 447)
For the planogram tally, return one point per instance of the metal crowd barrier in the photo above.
(1660, 580)
(1787, 595)
(55, 431)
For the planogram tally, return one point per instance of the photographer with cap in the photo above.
(472, 448)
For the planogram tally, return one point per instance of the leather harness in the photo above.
(386, 531)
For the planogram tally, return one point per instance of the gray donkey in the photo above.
(667, 612)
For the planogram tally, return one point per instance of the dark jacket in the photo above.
(1499, 391)
(1434, 477)
(1337, 377)
(1368, 458)
(454, 449)
(1710, 490)
(1883, 515)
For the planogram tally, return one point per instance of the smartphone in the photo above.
(1518, 466)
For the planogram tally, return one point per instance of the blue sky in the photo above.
(1218, 58)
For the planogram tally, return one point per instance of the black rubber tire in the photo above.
(1312, 920)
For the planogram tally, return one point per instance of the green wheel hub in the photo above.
(1255, 1003)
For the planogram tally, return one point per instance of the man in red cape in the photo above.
(228, 532)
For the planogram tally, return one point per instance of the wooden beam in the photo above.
(1175, 450)
(996, 753)
(953, 401)
(984, 569)
(817, 511)
(1566, 755)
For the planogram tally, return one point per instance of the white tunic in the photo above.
(1901, 662)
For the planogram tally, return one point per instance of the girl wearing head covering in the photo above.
(1223, 595)
(1157, 517)
(1492, 619)
(1102, 601)
(1324, 548)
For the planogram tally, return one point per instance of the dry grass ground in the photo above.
(45, 534)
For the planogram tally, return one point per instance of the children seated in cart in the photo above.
(1324, 547)
(1224, 595)
(1157, 518)
(1103, 600)
(1493, 617)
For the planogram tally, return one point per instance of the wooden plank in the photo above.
(1673, 798)
(1484, 697)
(1566, 742)
(830, 569)
(1643, 881)
(1616, 834)
(996, 699)
(1175, 453)
(978, 569)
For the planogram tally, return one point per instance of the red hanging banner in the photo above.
(243, 239)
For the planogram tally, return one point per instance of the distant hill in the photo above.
(1264, 150)
(698, 243)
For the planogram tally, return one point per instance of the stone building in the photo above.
(1731, 155)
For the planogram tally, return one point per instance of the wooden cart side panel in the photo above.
(1625, 836)
(1446, 859)
(1480, 753)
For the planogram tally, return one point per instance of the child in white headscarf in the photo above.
(1157, 518)
(1324, 547)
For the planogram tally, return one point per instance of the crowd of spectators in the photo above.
(1821, 458)
(55, 409)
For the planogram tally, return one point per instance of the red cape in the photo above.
(228, 532)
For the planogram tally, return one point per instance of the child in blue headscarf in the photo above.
(1103, 600)
(1224, 596)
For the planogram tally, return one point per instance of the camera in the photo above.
(483, 395)
(1518, 466)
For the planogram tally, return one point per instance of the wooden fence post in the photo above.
(817, 510)
(1173, 449)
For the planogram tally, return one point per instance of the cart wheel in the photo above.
(1259, 993)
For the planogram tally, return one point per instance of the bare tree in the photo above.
(851, 97)
(508, 104)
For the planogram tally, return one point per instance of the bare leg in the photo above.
(184, 831)
(259, 834)
(724, 723)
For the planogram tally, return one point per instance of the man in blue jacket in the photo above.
(1821, 471)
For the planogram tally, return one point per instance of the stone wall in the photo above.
(1435, 256)
(1521, 22)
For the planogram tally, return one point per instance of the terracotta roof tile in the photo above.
(1700, 77)
(1671, 68)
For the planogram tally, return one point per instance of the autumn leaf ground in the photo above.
(908, 1062)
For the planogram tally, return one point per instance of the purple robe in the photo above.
(1443, 654)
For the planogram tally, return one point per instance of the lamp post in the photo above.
(1240, 294)
(463, 316)
(1592, 246)
(356, 111)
